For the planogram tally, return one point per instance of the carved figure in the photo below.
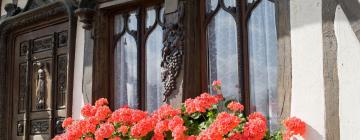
(41, 86)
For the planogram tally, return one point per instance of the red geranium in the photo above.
(235, 106)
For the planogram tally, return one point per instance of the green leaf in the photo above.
(195, 115)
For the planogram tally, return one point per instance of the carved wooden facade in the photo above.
(39, 45)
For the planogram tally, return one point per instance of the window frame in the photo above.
(241, 15)
(195, 73)
(142, 35)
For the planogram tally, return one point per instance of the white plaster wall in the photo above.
(78, 98)
(349, 77)
(307, 101)
(3, 3)
(22, 3)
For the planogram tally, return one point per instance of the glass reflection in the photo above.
(132, 21)
(211, 5)
(154, 87)
(150, 17)
(230, 3)
(263, 61)
(119, 24)
(223, 54)
(126, 72)
(162, 15)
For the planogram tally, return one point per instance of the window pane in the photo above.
(126, 72)
(132, 21)
(150, 17)
(223, 54)
(119, 24)
(211, 5)
(263, 61)
(230, 3)
(154, 87)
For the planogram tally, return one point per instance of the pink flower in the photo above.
(165, 111)
(294, 126)
(142, 128)
(236, 136)
(103, 112)
(123, 130)
(101, 102)
(222, 125)
(255, 129)
(175, 121)
(160, 128)
(216, 85)
(89, 138)
(257, 115)
(105, 131)
(115, 138)
(235, 106)
(87, 110)
(67, 122)
(201, 103)
(179, 132)
(127, 116)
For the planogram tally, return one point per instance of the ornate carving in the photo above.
(41, 87)
(61, 80)
(58, 126)
(22, 88)
(39, 126)
(23, 48)
(12, 9)
(32, 4)
(43, 44)
(86, 12)
(20, 128)
(172, 53)
(8, 25)
(63, 37)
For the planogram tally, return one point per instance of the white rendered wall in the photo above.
(349, 77)
(307, 101)
(78, 98)
(3, 3)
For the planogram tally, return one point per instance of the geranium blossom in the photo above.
(165, 111)
(294, 126)
(254, 129)
(142, 128)
(67, 122)
(223, 124)
(127, 116)
(201, 103)
(200, 120)
(235, 106)
(216, 85)
(105, 131)
(101, 102)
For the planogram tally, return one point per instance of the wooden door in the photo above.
(40, 78)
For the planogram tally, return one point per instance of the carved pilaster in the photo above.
(86, 13)
(172, 52)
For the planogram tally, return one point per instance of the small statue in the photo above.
(41, 86)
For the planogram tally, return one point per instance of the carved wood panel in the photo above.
(39, 127)
(40, 85)
(23, 87)
(61, 81)
(43, 44)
